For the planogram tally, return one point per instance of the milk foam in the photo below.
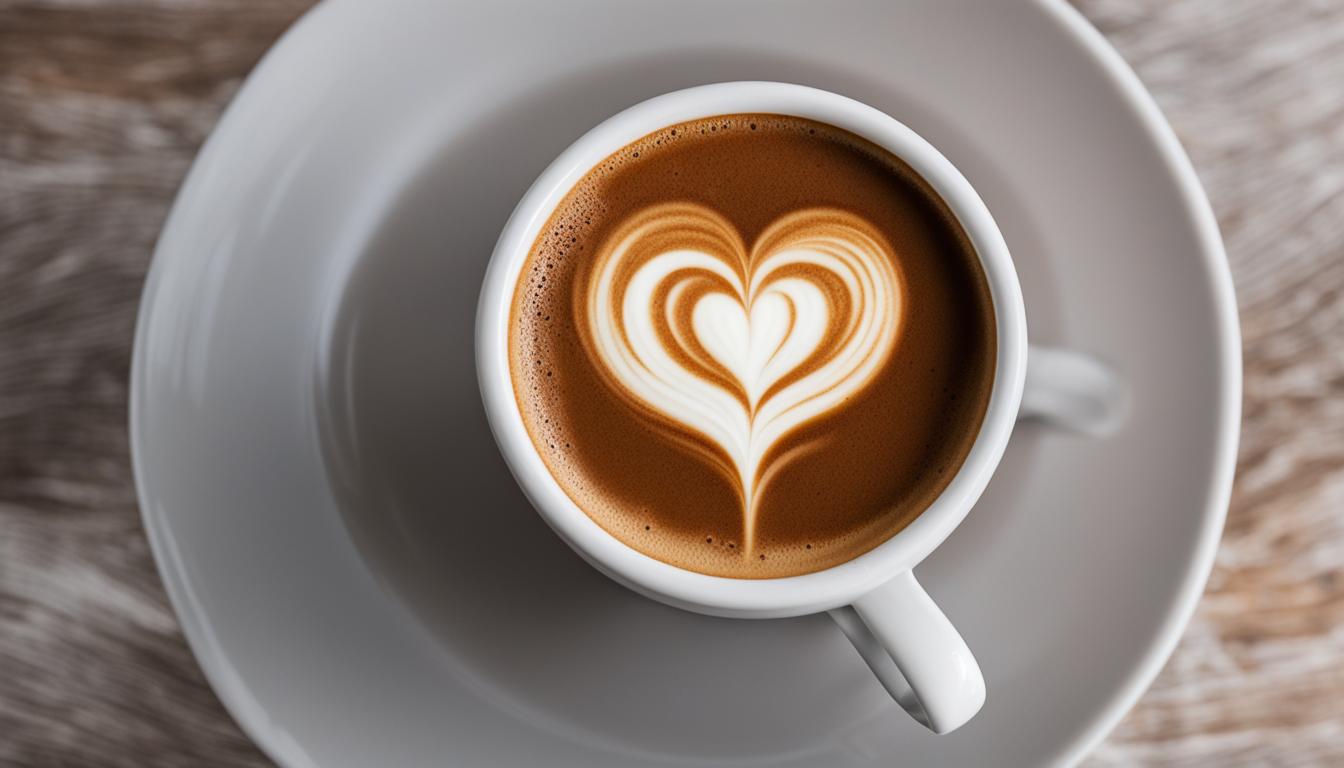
(741, 345)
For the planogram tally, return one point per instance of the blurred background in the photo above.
(103, 104)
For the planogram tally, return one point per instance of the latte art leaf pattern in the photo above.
(741, 346)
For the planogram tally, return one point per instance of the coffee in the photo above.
(752, 345)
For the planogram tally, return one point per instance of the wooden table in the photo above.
(102, 106)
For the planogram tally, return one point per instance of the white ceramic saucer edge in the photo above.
(1215, 261)
(233, 693)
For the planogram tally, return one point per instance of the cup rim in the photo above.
(719, 595)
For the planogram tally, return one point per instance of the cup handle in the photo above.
(1073, 390)
(915, 652)
(901, 634)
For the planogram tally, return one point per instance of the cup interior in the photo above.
(749, 598)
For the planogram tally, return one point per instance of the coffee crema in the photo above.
(752, 345)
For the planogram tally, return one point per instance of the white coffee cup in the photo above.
(898, 630)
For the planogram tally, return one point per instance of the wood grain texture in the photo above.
(1255, 91)
(102, 106)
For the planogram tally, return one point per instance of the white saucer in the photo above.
(361, 580)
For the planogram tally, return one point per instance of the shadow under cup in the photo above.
(439, 519)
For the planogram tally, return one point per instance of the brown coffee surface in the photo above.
(749, 190)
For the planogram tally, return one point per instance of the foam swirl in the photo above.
(735, 348)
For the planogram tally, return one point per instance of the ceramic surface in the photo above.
(355, 568)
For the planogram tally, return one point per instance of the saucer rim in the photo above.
(251, 716)
(1216, 265)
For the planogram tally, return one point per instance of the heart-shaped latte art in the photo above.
(738, 346)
